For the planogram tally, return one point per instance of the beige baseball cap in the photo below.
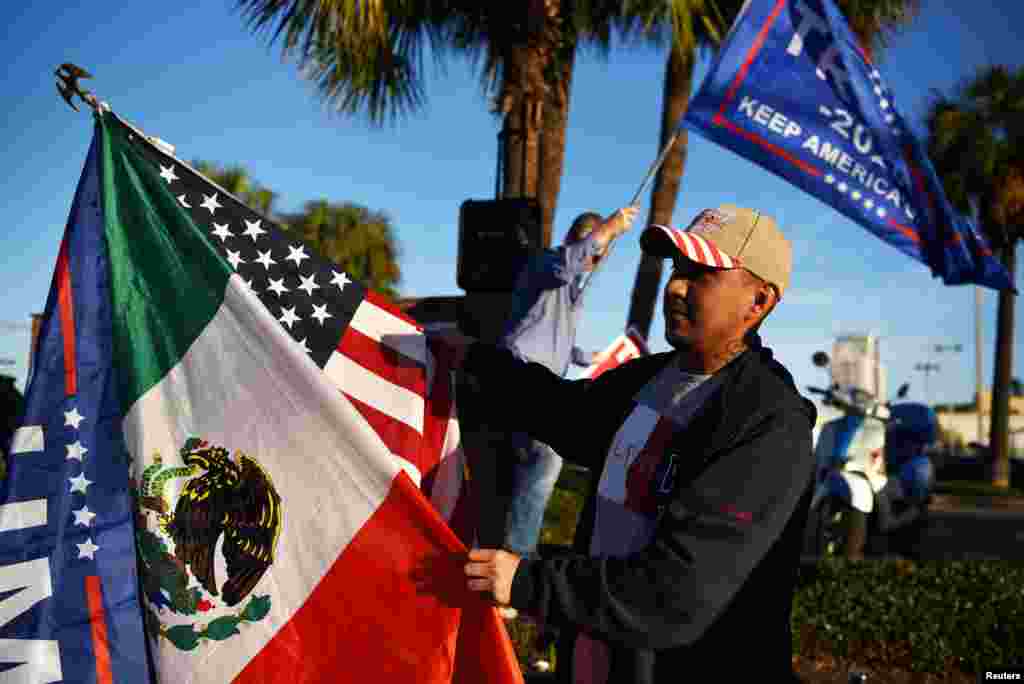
(728, 237)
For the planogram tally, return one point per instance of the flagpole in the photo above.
(655, 165)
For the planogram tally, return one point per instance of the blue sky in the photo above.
(193, 75)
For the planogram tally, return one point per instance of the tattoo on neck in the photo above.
(728, 353)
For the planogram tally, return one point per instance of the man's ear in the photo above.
(760, 301)
(764, 300)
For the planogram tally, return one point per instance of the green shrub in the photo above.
(937, 616)
(563, 511)
(560, 518)
(927, 617)
(523, 634)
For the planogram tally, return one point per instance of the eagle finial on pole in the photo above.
(69, 75)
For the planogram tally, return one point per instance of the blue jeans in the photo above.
(534, 475)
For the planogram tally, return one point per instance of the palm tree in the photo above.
(518, 43)
(692, 26)
(236, 180)
(359, 240)
(555, 121)
(698, 25)
(367, 57)
(976, 142)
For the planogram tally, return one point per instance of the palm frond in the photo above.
(973, 140)
(364, 55)
(877, 22)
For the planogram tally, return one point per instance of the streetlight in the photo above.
(927, 369)
(948, 347)
(937, 349)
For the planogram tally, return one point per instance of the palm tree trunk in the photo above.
(512, 154)
(552, 146)
(531, 153)
(675, 100)
(513, 138)
(521, 106)
(999, 436)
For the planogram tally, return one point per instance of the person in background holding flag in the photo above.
(541, 327)
(686, 552)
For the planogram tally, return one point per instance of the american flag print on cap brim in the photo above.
(690, 245)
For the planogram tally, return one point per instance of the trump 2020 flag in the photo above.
(282, 424)
(791, 90)
(70, 609)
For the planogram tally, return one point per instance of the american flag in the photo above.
(377, 356)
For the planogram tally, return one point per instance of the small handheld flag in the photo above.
(627, 346)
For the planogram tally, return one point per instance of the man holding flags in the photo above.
(686, 553)
(167, 291)
(687, 547)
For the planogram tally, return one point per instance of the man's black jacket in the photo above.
(714, 587)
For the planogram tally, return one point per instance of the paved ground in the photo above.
(964, 529)
(833, 671)
(943, 502)
(976, 528)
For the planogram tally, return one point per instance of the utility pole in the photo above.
(939, 349)
(927, 368)
(978, 382)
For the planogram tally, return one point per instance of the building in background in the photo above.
(856, 362)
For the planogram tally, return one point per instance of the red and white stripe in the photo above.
(627, 346)
(403, 387)
(697, 248)
(364, 560)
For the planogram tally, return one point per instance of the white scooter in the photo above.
(851, 471)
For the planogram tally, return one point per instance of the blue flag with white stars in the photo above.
(792, 91)
(69, 606)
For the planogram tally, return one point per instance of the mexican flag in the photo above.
(283, 424)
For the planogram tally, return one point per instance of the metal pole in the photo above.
(927, 394)
(978, 383)
(926, 368)
(928, 372)
(636, 198)
(502, 137)
(654, 167)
